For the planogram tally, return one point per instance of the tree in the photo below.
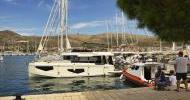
(168, 19)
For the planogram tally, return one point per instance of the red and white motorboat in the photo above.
(141, 74)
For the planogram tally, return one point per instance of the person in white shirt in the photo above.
(181, 69)
(172, 79)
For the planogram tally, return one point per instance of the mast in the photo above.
(160, 45)
(107, 32)
(173, 46)
(64, 26)
(117, 34)
(68, 45)
(62, 7)
(58, 35)
(123, 29)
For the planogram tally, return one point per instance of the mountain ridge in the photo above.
(77, 40)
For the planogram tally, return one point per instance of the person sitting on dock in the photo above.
(172, 79)
(181, 70)
(160, 79)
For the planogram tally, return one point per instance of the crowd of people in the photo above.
(174, 80)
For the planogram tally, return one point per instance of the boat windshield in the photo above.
(110, 60)
(92, 59)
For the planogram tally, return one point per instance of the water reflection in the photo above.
(76, 84)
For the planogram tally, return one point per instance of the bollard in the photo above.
(18, 97)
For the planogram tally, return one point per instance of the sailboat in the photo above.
(68, 64)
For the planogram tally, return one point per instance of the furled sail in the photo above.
(68, 45)
(40, 48)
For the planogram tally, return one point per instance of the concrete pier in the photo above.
(121, 94)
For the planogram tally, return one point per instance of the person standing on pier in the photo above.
(181, 69)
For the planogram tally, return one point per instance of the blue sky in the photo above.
(28, 17)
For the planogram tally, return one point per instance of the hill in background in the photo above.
(89, 41)
(9, 35)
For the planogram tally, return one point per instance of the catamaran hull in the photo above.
(68, 70)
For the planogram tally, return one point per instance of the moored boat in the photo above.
(75, 64)
(141, 74)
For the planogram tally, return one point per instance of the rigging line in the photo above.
(52, 25)
(136, 38)
(123, 28)
(52, 21)
(45, 28)
(113, 22)
(56, 29)
(130, 33)
(126, 41)
(53, 30)
(125, 32)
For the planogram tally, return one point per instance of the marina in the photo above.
(14, 79)
(94, 50)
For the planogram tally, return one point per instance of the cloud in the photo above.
(9, 0)
(18, 29)
(15, 2)
(87, 24)
(75, 6)
(5, 17)
(43, 3)
(26, 34)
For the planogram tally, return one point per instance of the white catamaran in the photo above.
(68, 64)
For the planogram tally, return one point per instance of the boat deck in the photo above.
(121, 94)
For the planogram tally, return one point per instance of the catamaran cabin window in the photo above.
(104, 60)
(70, 57)
(66, 57)
(45, 68)
(101, 60)
(98, 61)
(94, 59)
(110, 60)
(85, 59)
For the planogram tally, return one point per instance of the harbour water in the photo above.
(14, 80)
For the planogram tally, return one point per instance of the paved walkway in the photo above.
(122, 94)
